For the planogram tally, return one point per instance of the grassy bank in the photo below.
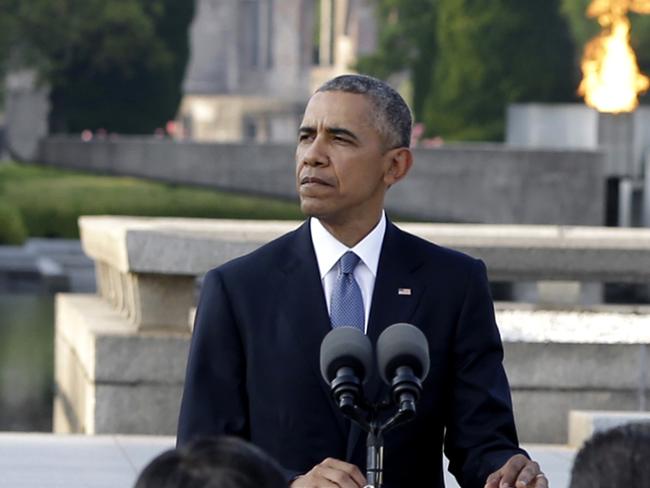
(44, 202)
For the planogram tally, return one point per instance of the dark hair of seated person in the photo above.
(615, 458)
(221, 462)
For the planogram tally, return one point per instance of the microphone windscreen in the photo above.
(402, 345)
(345, 347)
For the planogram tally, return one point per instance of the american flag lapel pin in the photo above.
(404, 291)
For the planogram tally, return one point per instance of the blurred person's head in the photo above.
(615, 458)
(223, 462)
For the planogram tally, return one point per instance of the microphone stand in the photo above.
(374, 456)
(375, 438)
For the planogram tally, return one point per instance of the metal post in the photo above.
(625, 190)
(375, 457)
(646, 188)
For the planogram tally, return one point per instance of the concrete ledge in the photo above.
(543, 413)
(548, 380)
(121, 356)
(583, 424)
(562, 360)
(143, 408)
(111, 378)
(173, 246)
(560, 366)
(109, 349)
(124, 353)
(146, 266)
(513, 253)
(597, 324)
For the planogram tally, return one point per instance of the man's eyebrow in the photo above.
(333, 131)
(306, 129)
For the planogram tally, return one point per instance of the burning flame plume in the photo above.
(611, 81)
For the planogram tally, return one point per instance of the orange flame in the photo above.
(611, 80)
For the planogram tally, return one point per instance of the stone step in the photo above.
(46, 266)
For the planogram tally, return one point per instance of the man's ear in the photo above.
(401, 160)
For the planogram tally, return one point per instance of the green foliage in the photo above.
(50, 201)
(12, 228)
(469, 58)
(582, 27)
(492, 54)
(407, 42)
(6, 34)
(116, 65)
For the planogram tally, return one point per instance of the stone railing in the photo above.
(147, 267)
(120, 356)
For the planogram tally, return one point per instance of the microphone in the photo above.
(403, 360)
(345, 361)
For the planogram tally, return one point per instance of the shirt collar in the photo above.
(329, 250)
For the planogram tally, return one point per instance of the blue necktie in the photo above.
(346, 305)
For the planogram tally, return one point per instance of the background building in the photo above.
(254, 63)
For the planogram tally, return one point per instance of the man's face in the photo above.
(340, 162)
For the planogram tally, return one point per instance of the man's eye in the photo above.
(304, 137)
(340, 139)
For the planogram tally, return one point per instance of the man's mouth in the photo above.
(305, 180)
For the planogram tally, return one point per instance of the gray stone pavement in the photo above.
(114, 461)
(75, 461)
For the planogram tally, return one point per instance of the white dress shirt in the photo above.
(329, 250)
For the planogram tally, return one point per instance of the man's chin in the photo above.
(311, 210)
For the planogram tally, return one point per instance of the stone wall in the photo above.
(457, 183)
(120, 355)
(624, 138)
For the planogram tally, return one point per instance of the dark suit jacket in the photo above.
(253, 368)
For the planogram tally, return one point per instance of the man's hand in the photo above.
(331, 473)
(518, 472)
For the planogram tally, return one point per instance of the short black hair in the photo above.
(614, 458)
(221, 462)
(392, 116)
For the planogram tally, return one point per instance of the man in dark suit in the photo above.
(253, 369)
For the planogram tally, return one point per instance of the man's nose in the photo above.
(315, 154)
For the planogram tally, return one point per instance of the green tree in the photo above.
(582, 28)
(490, 54)
(407, 42)
(116, 65)
(469, 58)
(6, 35)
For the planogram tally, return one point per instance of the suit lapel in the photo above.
(307, 309)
